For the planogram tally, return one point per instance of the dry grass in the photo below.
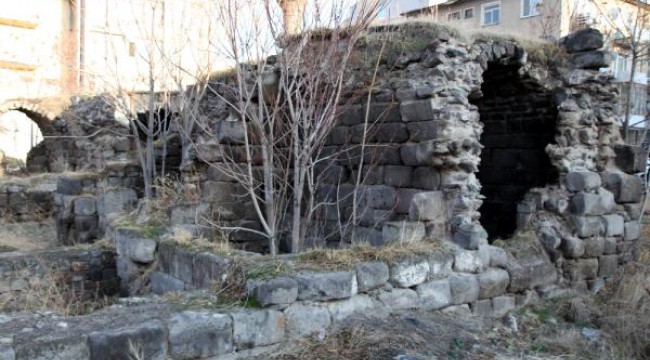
(28, 235)
(351, 344)
(414, 35)
(337, 259)
(52, 292)
(626, 306)
(621, 312)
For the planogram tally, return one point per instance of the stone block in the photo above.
(530, 268)
(632, 211)
(626, 188)
(583, 40)
(399, 299)
(69, 185)
(56, 343)
(428, 206)
(572, 247)
(136, 247)
(609, 246)
(208, 269)
(189, 214)
(458, 311)
(440, 264)
(149, 339)
(470, 236)
(482, 308)
(614, 225)
(582, 181)
(587, 226)
(526, 298)
(493, 282)
(581, 269)
(117, 201)
(591, 60)
(85, 206)
(404, 198)
(195, 335)
(498, 256)
(372, 236)
(409, 273)
(358, 305)
(7, 352)
(607, 265)
(380, 133)
(593, 204)
(419, 110)
(229, 132)
(379, 196)
(326, 286)
(277, 291)
(306, 319)
(371, 275)
(424, 130)
(176, 262)
(470, 261)
(425, 177)
(424, 153)
(501, 305)
(434, 294)
(464, 288)
(398, 176)
(630, 159)
(253, 328)
(632, 230)
(403, 232)
(218, 191)
(594, 246)
(162, 283)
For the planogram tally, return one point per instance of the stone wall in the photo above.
(85, 274)
(461, 138)
(23, 200)
(86, 202)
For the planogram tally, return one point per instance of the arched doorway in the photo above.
(18, 135)
(519, 117)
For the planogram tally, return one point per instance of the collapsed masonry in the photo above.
(462, 139)
(469, 144)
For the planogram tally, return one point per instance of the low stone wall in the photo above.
(84, 273)
(85, 201)
(486, 282)
(27, 199)
(164, 265)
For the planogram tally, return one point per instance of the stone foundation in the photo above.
(84, 274)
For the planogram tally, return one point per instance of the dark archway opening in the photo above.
(519, 118)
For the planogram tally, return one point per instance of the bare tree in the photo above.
(626, 24)
(285, 104)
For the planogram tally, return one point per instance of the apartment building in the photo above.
(623, 22)
(56, 48)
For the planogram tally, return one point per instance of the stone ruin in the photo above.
(514, 162)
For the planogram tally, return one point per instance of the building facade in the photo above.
(625, 23)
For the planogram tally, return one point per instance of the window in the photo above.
(131, 49)
(530, 7)
(468, 13)
(491, 13)
(453, 16)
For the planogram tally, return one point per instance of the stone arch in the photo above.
(40, 116)
(519, 116)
